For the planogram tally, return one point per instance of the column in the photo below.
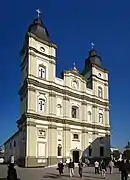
(84, 111)
(84, 143)
(66, 142)
(52, 144)
(31, 144)
(66, 107)
(106, 117)
(31, 107)
(94, 114)
(52, 103)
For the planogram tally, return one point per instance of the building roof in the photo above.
(127, 146)
(94, 58)
(37, 28)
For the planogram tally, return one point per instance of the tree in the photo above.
(116, 154)
(127, 154)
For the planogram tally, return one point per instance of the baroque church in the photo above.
(60, 118)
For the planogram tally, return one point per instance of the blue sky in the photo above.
(72, 25)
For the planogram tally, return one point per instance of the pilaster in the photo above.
(84, 111)
(66, 107)
(66, 141)
(52, 103)
(31, 143)
(52, 144)
(94, 114)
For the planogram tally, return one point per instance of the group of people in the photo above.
(71, 168)
(102, 167)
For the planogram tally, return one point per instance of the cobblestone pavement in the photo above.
(52, 174)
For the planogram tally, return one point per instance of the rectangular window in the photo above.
(74, 112)
(75, 136)
(42, 133)
(100, 117)
(59, 149)
(101, 151)
(41, 149)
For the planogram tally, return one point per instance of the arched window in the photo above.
(42, 72)
(89, 116)
(41, 104)
(58, 110)
(75, 112)
(59, 149)
(100, 117)
(100, 95)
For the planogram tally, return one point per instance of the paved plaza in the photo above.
(52, 173)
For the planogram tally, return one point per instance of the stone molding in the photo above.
(62, 91)
(59, 120)
(41, 53)
(50, 44)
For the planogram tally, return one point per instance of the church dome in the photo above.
(94, 58)
(37, 28)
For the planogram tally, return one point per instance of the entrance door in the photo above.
(76, 156)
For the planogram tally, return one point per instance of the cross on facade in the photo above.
(38, 12)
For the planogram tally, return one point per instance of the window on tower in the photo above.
(74, 112)
(100, 95)
(100, 117)
(42, 72)
(41, 105)
(59, 149)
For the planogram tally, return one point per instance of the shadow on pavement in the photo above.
(56, 176)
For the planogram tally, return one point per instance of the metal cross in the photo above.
(93, 45)
(38, 12)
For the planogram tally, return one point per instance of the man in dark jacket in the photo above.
(71, 168)
(12, 175)
(124, 168)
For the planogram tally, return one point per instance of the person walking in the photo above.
(96, 164)
(60, 167)
(71, 168)
(103, 169)
(80, 168)
(124, 168)
(111, 165)
(11, 174)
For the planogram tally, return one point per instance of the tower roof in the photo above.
(94, 58)
(37, 28)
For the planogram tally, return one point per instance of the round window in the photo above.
(42, 49)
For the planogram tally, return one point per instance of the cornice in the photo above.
(60, 120)
(76, 74)
(101, 69)
(62, 91)
(41, 53)
(50, 44)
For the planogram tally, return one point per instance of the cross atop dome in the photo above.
(38, 12)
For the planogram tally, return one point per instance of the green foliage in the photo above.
(116, 154)
(127, 154)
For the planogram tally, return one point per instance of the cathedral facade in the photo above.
(60, 118)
